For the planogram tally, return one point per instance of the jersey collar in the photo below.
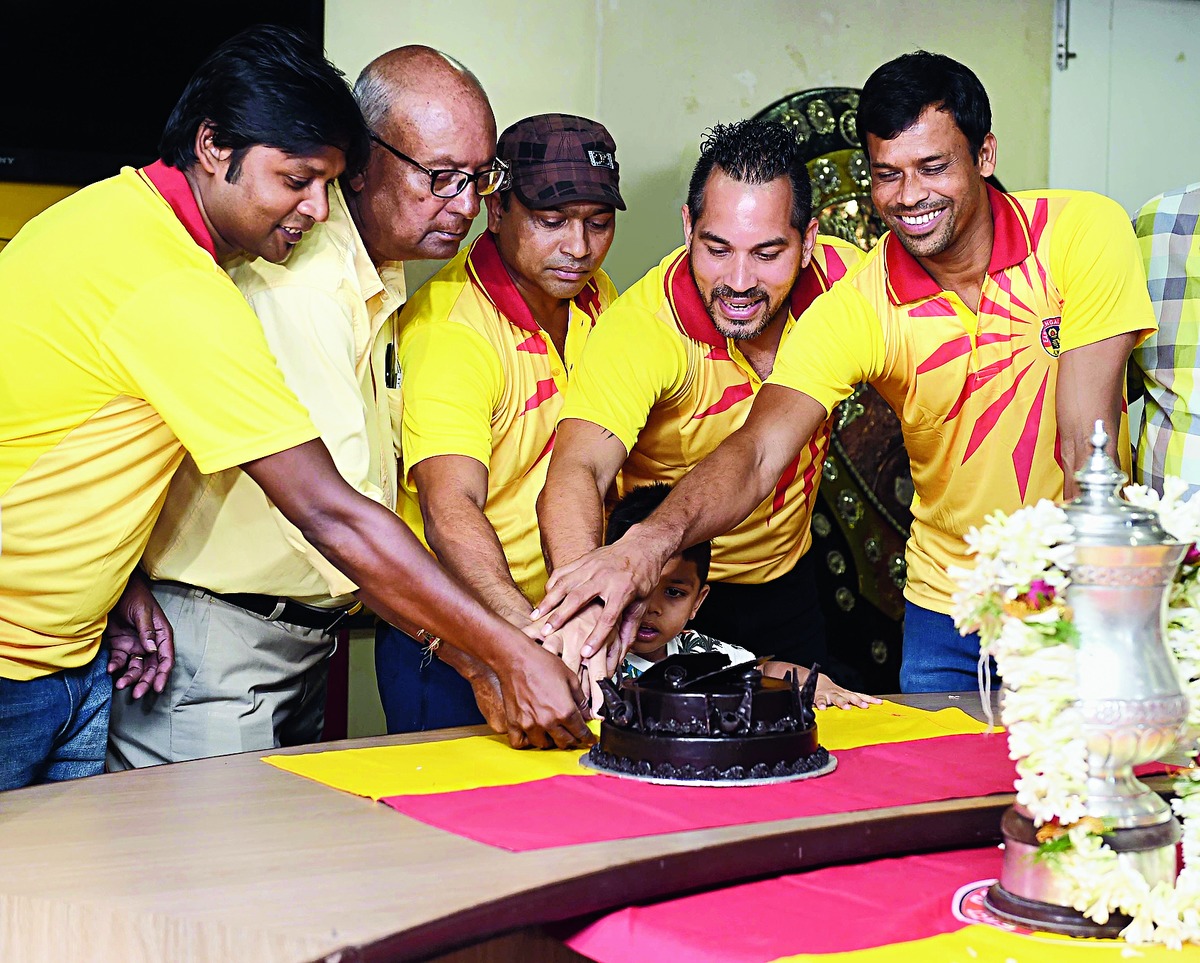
(692, 316)
(177, 192)
(1012, 243)
(489, 274)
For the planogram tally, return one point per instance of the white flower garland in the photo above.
(1015, 599)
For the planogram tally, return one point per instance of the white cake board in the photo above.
(721, 783)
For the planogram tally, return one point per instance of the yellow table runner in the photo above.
(474, 762)
(988, 944)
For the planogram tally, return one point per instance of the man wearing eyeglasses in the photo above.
(485, 350)
(253, 606)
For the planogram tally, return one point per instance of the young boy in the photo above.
(676, 599)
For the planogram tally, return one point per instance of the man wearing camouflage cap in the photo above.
(485, 351)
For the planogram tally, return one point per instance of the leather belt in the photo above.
(289, 610)
(286, 610)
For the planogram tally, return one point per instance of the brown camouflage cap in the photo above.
(560, 158)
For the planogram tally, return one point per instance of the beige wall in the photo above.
(657, 72)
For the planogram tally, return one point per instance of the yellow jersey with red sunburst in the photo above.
(480, 378)
(659, 375)
(975, 391)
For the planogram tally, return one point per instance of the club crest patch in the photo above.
(1050, 336)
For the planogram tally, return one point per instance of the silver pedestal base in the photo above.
(1049, 917)
(1031, 893)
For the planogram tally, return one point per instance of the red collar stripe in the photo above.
(1041, 217)
(835, 265)
(491, 277)
(692, 316)
(1012, 240)
(809, 286)
(177, 192)
(489, 274)
(690, 313)
(1012, 243)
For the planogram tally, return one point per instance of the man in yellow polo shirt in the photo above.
(486, 348)
(125, 344)
(998, 326)
(674, 369)
(253, 606)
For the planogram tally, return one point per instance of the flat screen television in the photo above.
(86, 87)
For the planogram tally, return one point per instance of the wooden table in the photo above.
(230, 859)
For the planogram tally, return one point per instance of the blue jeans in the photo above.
(55, 727)
(417, 692)
(935, 658)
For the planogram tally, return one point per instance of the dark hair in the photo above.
(753, 152)
(895, 94)
(635, 506)
(272, 86)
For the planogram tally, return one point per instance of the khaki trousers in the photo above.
(240, 682)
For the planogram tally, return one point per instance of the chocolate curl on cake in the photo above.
(738, 722)
(616, 709)
(808, 698)
(675, 676)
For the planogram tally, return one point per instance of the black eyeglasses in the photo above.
(451, 183)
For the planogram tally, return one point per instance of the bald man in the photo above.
(253, 606)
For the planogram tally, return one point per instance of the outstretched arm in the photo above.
(828, 693)
(1090, 383)
(402, 582)
(452, 490)
(713, 497)
(583, 466)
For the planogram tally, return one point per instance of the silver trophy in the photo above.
(1130, 697)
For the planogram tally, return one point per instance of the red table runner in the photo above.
(912, 909)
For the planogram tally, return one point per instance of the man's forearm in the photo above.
(465, 542)
(403, 583)
(1090, 383)
(1075, 445)
(570, 513)
(570, 508)
(724, 488)
(721, 491)
(713, 497)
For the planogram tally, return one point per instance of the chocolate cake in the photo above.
(694, 717)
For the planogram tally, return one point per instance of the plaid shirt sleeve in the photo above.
(1168, 235)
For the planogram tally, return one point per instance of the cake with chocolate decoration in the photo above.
(695, 718)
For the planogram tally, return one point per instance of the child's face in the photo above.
(673, 603)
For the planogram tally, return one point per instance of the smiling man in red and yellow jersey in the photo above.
(998, 326)
(485, 351)
(674, 370)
